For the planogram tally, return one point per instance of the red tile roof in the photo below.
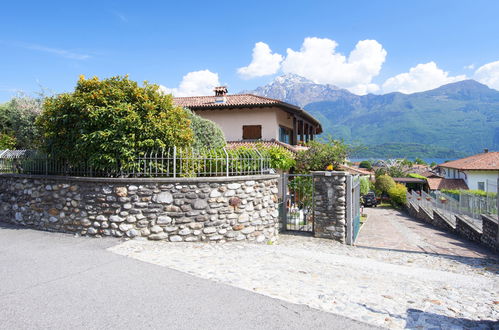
(238, 101)
(355, 170)
(483, 161)
(441, 183)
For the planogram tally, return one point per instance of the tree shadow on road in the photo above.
(419, 319)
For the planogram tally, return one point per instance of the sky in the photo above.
(188, 47)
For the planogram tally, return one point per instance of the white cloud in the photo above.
(263, 62)
(61, 52)
(194, 83)
(488, 74)
(318, 61)
(420, 78)
(469, 67)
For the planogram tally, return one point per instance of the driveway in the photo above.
(57, 281)
(391, 229)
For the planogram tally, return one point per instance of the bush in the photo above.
(383, 184)
(280, 158)
(398, 194)
(207, 134)
(456, 192)
(320, 156)
(364, 186)
(108, 123)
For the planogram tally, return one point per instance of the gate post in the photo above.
(349, 211)
(330, 205)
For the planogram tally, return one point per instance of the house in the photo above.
(479, 172)
(358, 171)
(250, 117)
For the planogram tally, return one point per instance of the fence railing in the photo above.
(469, 205)
(172, 162)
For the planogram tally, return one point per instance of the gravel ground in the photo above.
(381, 287)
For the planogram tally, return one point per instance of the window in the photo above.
(252, 132)
(285, 134)
(481, 186)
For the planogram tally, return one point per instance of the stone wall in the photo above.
(490, 232)
(487, 235)
(330, 205)
(174, 209)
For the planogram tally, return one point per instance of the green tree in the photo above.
(17, 120)
(420, 161)
(107, 123)
(207, 134)
(366, 164)
(280, 158)
(7, 141)
(364, 186)
(319, 156)
(383, 184)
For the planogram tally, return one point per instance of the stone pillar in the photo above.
(330, 205)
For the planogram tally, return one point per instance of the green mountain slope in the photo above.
(462, 118)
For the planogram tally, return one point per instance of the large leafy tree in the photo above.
(109, 122)
(17, 122)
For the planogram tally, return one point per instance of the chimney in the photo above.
(485, 150)
(220, 94)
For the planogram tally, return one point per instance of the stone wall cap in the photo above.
(330, 173)
(489, 218)
(143, 180)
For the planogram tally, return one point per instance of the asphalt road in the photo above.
(57, 281)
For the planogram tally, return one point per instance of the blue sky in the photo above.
(50, 43)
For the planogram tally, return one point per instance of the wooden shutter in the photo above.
(252, 132)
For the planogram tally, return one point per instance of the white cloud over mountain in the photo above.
(194, 83)
(420, 78)
(488, 74)
(318, 61)
(263, 62)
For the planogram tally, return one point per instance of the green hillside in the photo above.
(453, 120)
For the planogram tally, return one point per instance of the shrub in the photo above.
(108, 123)
(321, 155)
(383, 184)
(456, 192)
(207, 134)
(364, 186)
(398, 194)
(280, 158)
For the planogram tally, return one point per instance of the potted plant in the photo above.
(443, 200)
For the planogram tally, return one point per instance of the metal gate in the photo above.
(353, 208)
(298, 202)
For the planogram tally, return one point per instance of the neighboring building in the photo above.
(436, 183)
(358, 171)
(479, 172)
(251, 117)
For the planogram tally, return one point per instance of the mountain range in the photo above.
(451, 121)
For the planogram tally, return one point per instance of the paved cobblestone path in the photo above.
(387, 228)
(380, 286)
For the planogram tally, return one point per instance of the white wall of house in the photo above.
(473, 178)
(232, 121)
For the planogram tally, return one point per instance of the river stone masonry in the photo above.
(173, 209)
(330, 205)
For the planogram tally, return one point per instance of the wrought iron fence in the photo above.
(172, 162)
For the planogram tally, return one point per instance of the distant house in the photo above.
(248, 117)
(479, 172)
